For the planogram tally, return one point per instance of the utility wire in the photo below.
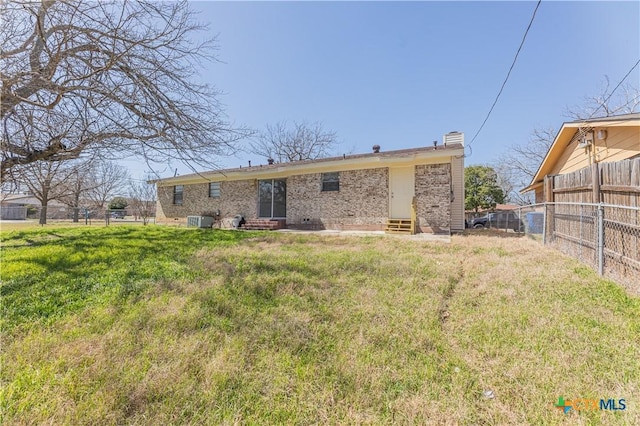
(581, 132)
(508, 74)
(603, 103)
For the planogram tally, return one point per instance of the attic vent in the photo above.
(453, 137)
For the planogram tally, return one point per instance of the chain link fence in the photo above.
(603, 236)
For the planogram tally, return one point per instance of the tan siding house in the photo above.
(457, 205)
(582, 143)
(358, 192)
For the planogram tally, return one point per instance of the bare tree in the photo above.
(607, 104)
(8, 187)
(46, 180)
(505, 181)
(519, 164)
(109, 76)
(78, 184)
(143, 200)
(108, 180)
(302, 141)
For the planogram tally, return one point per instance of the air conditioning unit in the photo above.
(199, 221)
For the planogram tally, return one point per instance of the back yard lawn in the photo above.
(160, 325)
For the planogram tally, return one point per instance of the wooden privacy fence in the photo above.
(616, 183)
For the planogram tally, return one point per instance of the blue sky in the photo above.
(402, 74)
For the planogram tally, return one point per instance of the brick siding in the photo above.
(433, 197)
(362, 201)
(236, 197)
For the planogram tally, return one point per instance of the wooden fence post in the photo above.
(595, 182)
(548, 189)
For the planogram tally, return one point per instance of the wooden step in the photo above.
(399, 226)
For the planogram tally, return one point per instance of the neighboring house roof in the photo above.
(568, 134)
(346, 162)
(26, 200)
(20, 199)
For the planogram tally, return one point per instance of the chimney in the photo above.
(376, 149)
(453, 137)
(270, 161)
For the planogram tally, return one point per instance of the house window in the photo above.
(214, 189)
(177, 194)
(331, 181)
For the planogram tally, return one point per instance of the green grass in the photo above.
(158, 325)
(48, 273)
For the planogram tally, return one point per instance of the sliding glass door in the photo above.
(272, 198)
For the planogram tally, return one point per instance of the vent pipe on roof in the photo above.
(376, 149)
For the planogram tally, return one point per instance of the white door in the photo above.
(401, 191)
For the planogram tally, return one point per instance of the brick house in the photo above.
(351, 192)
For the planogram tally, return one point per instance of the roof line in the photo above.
(613, 119)
(380, 155)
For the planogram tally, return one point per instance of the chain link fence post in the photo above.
(600, 239)
(544, 225)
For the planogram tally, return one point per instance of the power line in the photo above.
(504, 83)
(603, 103)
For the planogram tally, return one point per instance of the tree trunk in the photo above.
(76, 203)
(43, 213)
